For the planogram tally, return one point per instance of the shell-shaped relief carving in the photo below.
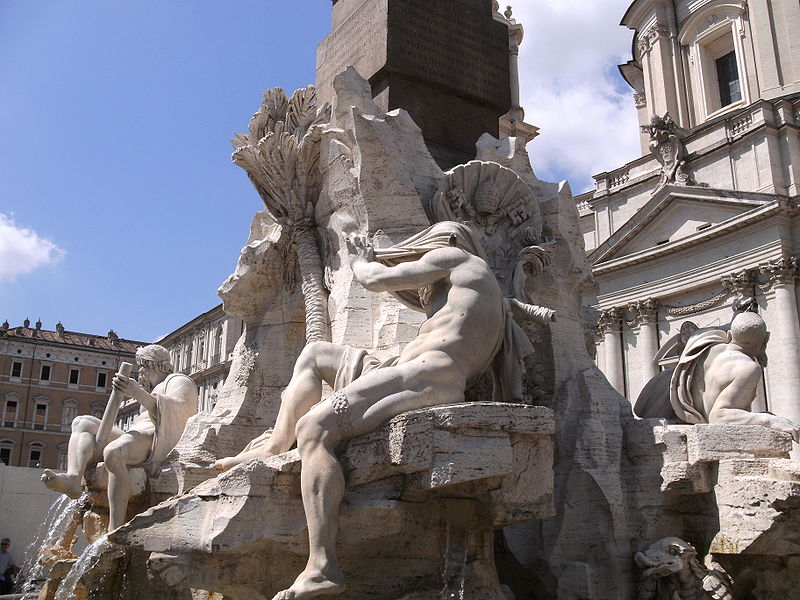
(498, 205)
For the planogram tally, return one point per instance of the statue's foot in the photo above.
(255, 449)
(61, 482)
(223, 464)
(312, 583)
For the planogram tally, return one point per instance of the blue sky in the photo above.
(119, 206)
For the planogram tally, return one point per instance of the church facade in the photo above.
(707, 217)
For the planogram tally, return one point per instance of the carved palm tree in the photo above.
(280, 153)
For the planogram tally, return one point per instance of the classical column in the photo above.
(783, 348)
(647, 312)
(610, 321)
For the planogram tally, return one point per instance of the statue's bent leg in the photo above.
(82, 451)
(360, 407)
(132, 448)
(317, 363)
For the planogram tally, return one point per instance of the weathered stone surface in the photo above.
(707, 443)
(731, 489)
(256, 506)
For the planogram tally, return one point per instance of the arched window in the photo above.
(35, 454)
(69, 413)
(6, 451)
(10, 409)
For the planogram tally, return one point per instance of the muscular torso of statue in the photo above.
(468, 296)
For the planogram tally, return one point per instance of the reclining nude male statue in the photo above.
(441, 271)
(717, 375)
(167, 401)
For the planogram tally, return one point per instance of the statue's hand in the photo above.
(360, 248)
(128, 386)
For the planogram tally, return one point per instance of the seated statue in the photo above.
(167, 401)
(441, 271)
(717, 375)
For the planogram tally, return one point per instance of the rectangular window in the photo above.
(16, 369)
(40, 416)
(11, 413)
(5, 455)
(728, 79)
(45, 374)
(101, 380)
(73, 376)
(62, 460)
(36, 458)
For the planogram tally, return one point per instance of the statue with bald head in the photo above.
(167, 401)
(718, 374)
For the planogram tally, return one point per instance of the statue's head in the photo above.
(749, 331)
(154, 365)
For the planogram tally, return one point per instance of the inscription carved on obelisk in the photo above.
(445, 61)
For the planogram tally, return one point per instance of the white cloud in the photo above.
(571, 90)
(22, 250)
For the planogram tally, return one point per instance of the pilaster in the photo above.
(784, 343)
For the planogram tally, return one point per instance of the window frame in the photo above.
(11, 397)
(42, 367)
(70, 404)
(98, 387)
(97, 410)
(701, 38)
(17, 377)
(63, 457)
(39, 447)
(7, 444)
(37, 402)
(77, 382)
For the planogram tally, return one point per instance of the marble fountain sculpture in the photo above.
(454, 439)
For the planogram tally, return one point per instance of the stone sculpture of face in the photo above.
(147, 377)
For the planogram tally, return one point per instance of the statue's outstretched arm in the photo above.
(377, 277)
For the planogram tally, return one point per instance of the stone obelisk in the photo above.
(445, 61)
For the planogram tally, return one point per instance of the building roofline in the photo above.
(71, 339)
(190, 324)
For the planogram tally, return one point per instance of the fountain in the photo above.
(532, 481)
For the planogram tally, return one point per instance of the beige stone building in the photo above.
(202, 349)
(47, 378)
(708, 215)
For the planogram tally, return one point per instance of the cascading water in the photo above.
(88, 560)
(50, 532)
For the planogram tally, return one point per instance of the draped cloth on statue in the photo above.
(687, 405)
(176, 401)
(512, 346)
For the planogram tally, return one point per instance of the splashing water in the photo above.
(88, 560)
(61, 512)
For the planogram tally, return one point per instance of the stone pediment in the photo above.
(678, 213)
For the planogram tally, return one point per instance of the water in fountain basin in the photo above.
(33, 573)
